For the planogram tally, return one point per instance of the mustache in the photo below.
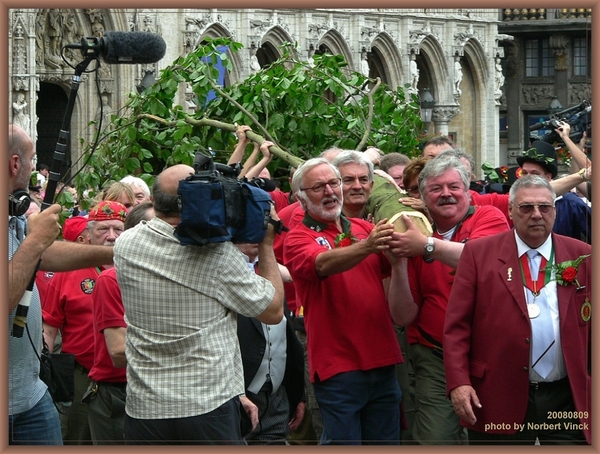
(333, 198)
(446, 201)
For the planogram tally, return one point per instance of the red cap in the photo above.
(73, 227)
(107, 211)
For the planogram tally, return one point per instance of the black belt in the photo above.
(535, 385)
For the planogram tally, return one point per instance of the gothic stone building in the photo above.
(452, 52)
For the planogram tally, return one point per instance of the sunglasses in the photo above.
(527, 208)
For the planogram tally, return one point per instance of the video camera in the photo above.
(579, 117)
(216, 206)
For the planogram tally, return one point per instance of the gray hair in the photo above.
(529, 181)
(457, 153)
(435, 167)
(393, 159)
(305, 167)
(331, 151)
(137, 182)
(353, 157)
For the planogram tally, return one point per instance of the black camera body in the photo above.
(216, 206)
(579, 117)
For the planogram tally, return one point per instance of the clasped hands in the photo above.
(394, 244)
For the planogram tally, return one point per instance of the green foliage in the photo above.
(303, 108)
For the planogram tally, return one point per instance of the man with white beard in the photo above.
(352, 347)
(67, 306)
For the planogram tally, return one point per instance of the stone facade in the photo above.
(453, 50)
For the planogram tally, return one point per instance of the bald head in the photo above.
(20, 158)
(169, 179)
(164, 190)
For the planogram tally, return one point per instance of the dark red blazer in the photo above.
(487, 330)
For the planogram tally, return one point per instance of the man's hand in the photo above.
(251, 410)
(374, 155)
(417, 204)
(264, 149)
(44, 227)
(563, 130)
(380, 236)
(462, 397)
(240, 132)
(410, 243)
(298, 416)
(271, 231)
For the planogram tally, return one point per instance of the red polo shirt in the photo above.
(67, 305)
(346, 315)
(108, 313)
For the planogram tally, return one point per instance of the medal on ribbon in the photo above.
(533, 310)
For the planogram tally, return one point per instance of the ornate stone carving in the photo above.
(458, 76)
(560, 44)
(498, 79)
(414, 73)
(445, 113)
(55, 28)
(579, 92)
(71, 35)
(19, 54)
(20, 116)
(317, 30)
(20, 83)
(537, 94)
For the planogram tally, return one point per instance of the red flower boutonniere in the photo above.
(345, 239)
(566, 272)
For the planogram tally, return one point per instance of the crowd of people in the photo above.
(466, 320)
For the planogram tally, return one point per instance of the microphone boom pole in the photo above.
(20, 319)
(63, 136)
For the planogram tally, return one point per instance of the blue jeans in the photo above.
(38, 426)
(360, 407)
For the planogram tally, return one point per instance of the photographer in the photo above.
(184, 368)
(580, 161)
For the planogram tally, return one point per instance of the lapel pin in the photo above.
(509, 275)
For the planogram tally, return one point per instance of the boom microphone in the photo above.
(123, 47)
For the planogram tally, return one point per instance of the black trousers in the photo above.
(546, 401)
(106, 414)
(218, 427)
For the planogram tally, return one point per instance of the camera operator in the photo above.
(184, 368)
(579, 162)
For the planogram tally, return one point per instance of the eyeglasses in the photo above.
(320, 187)
(527, 208)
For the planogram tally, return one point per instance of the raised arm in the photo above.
(240, 148)
(43, 228)
(255, 170)
(270, 271)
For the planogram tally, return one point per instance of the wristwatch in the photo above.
(429, 247)
(583, 174)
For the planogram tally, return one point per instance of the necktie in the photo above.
(542, 351)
